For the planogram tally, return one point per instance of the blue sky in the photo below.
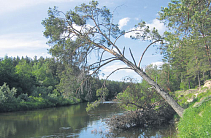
(21, 29)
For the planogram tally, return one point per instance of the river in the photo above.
(71, 122)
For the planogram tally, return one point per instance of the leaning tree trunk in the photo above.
(179, 110)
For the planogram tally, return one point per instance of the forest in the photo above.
(27, 83)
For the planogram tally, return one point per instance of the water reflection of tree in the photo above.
(42, 122)
(7, 128)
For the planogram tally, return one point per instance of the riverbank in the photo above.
(196, 120)
(33, 103)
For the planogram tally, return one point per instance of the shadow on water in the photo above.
(160, 132)
(72, 121)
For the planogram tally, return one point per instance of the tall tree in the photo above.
(188, 47)
(94, 29)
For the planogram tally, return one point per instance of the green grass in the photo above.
(196, 122)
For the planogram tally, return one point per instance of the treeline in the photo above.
(27, 83)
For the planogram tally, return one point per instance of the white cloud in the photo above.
(19, 40)
(123, 22)
(158, 25)
(158, 64)
(155, 23)
(112, 67)
(22, 44)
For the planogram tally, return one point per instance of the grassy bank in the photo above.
(196, 120)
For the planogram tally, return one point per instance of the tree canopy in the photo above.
(92, 28)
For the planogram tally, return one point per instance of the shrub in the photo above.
(7, 94)
(23, 97)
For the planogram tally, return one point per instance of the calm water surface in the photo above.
(70, 122)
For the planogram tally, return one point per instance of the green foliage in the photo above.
(76, 18)
(41, 83)
(164, 75)
(7, 95)
(7, 72)
(68, 82)
(26, 78)
(54, 26)
(92, 106)
(197, 116)
(102, 92)
(34, 82)
(183, 86)
(204, 94)
(43, 74)
(188, 49)
(23, 97)
(196, 122)
(195, 95)
(138, 96)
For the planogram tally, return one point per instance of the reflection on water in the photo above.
(72, 121)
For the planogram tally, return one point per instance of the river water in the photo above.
(71, 122)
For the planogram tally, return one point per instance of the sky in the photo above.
(21, 32)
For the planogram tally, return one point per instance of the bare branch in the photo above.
(95, 72)
(103, 65)
(132, 56)
(145, 51)
(102, 61)
(123, 51)
(101, 56)
(113, 72)
(117, 70)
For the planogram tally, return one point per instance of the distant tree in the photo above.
(168, 78)
(44, 76)
(93, 29)
(8, 72)
(26, 80)
(102, 92)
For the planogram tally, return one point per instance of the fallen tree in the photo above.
(144, 107)
(142, 118)
(93, 29)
